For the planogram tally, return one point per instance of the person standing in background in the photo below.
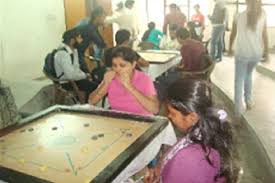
(170, 42)
(125, 18)
(250, 32)
(174, 17)
(217, 19)
(91, 37)
(199, 20)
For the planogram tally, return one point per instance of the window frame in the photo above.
(238, 3)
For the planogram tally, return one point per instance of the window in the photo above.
(268, 6)
(186, 6)
(183, 5)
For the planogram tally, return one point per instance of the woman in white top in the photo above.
(249, 29)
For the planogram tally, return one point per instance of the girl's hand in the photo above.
(125, 79)
(109, 76)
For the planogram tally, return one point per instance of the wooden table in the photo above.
(160, 61)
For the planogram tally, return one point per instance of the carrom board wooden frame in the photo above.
(159, 62)
(112, 170)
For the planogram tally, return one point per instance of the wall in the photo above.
(29, 30)
(1, 42)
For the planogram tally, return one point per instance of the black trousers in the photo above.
(83, 85)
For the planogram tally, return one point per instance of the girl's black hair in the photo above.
(190, 95)
(125, 53)
(253, 13)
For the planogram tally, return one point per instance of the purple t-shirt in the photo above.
(121, 99)
(190, 166)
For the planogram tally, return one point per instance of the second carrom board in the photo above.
(157, 57)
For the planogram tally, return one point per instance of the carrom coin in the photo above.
(94, 137)
(54, 128)
(101, 135)
(86, 125)
(129, 135)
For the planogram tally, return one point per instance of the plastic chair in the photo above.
(204, 73)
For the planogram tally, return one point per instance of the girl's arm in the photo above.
(150, 103)
(102, 89)
(232, 37)
(265, 40)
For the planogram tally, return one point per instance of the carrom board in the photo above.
(67, 145)
(157, 57)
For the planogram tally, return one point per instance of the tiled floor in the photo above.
(262, 116)
(271, 64)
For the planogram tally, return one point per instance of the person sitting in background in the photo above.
(152, 35)
(194, 59)
(128, 89)
(66, 63)
(174, 17)
(122, 38)
(191, 52)
(206, 152)
(199, 21)
(170, 42)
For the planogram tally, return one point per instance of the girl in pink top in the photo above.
(128, 89)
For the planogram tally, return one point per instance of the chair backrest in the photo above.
(206, 71)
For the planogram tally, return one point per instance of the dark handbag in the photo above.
(9, 114)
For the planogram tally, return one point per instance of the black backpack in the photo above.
(49, 64)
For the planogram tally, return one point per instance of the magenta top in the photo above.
(189, 165)
(121, 99)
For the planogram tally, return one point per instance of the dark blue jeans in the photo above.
(217, 42)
